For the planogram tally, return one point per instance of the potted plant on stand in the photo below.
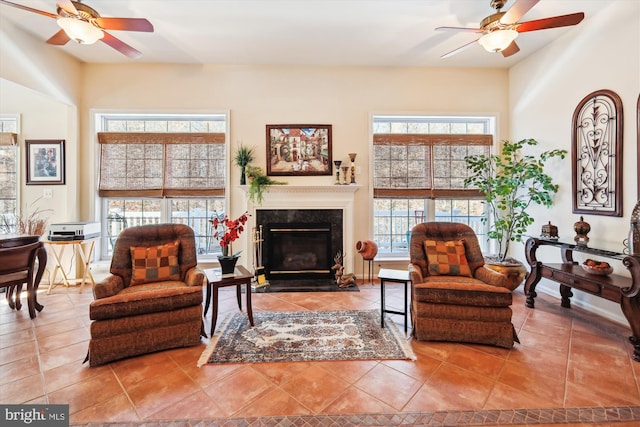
(226, 231)
(511, 182)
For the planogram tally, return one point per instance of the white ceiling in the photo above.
(302, 32)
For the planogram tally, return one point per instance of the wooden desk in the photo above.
(84, 249)
(215, 280)
(619, 289)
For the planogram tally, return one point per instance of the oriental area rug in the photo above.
(306, 336)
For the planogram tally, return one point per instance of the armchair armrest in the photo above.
(194, 277)
(110, 286)
(492, 277)
(415, 273)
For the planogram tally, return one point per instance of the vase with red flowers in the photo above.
(226, 231)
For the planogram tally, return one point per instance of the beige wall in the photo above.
(255, 96)
(602, 53)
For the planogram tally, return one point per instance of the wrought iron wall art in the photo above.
(597, 154)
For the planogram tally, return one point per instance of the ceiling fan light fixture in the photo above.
(498, 40)
(81, 31)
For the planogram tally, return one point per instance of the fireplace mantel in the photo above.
(314, 197)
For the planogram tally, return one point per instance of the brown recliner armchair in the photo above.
(153, 298)
(454, 297)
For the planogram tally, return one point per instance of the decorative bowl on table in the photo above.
(599, 268)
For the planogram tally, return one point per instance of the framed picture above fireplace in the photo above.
(299, 150)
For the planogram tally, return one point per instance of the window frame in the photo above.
(14, 127)
(428, 196)
(165, 201)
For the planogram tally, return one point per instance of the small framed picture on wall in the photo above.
(45, 162)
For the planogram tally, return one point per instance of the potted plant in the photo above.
(259, 183)
(242, 157)
(511, 182)
(226, 231)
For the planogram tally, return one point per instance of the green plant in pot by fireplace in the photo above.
(511, 183)
(242, 157)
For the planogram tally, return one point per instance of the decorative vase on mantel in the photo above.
(243, 175)
(228, 263)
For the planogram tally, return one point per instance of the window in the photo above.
(419, 172)
(8, 174)
(162, 168)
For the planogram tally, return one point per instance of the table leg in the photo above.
(208, 298)
(58, 259)
(238, 295)
(214, 310)
(86, 260)
(42, 264)
(382, 303)
(405, 307)
(249, 308)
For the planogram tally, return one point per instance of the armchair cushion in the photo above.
(155, 263)
(447, 258)
(144, 299)
(461, 291)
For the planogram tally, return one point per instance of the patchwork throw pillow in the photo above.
(155, 263)
(447, 258)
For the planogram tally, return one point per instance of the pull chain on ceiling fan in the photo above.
(84, 24)
(500, 29)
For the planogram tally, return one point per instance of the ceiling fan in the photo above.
(83, 24)
(500, 29)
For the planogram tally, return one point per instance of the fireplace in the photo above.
(300, 243)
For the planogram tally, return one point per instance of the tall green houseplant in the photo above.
(512, 182)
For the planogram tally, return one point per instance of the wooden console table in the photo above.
(620, 289)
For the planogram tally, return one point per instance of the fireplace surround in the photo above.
(300, 243)
(318, 199)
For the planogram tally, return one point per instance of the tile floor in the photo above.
(571, 367)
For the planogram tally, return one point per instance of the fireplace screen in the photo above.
(298, 250)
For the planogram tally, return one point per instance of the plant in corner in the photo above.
(242, 157)
(511, 182)
(259, 183)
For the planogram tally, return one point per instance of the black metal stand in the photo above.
(369, 270)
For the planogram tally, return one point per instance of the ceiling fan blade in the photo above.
(59, 39)
(126, 24)
(67, 6)
(121, 46)
(512, 49)
(517, 11)
(29, 9)
(458, 50)
(473, 30)
(553, 22)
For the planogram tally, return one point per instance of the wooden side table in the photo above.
(396, 276)
(84, 249)
(216, 280)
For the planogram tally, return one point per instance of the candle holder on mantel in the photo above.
(345, 171)
(352, 157)
(337, 163)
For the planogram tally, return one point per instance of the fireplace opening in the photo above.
(298, 250)
(299, 246)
